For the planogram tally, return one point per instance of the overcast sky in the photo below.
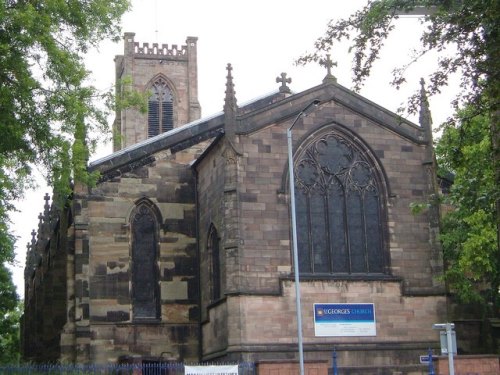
(261, 39)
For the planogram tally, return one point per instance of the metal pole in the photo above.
(294, 244)
(431, 366)
(451, 368)
(294, 234)
(334, 362)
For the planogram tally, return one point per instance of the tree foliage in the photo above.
(50, 116)
(467, 27)
(10, 312)
(468, 232)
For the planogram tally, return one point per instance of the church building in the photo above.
(183, 250)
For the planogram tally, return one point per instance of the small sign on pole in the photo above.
(449, 340)
(444, 342)
(424, 359)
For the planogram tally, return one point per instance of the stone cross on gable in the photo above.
(283, 80)
(328, 64)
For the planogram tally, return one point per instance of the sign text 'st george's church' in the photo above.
(183, 250)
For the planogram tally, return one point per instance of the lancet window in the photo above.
(160, 108)
(145, 287)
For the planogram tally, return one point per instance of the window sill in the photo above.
(146, 320)
(346, 277)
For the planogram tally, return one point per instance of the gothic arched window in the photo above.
(145, 287)
(339, 205)
(160, 108)
(215, 266)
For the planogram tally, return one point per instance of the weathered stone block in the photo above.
(174, 290)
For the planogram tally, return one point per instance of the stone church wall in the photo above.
(46, 273)
(210, 187)
(110, 322)
(407, 301)
(265, 210)
(269, 323)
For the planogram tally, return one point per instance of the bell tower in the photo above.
(168, 75)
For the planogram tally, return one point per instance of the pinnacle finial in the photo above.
(33, 238)
(46, 206)
(230, 99)
(424, 105)
(423, 92)
(425, 118)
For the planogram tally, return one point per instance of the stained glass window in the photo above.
(145, 293)
(339, 207)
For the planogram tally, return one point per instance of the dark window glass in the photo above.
(214, 253)
(145, 293)
(302, 225)
(153, 119)
(337, 224)
(320, 251)
(160, 109)
(167, 116)
(338, 207)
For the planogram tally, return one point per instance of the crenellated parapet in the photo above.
(157, 50)
(173, 52)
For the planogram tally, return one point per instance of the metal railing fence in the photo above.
(244, 368)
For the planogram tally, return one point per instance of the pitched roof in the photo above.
(252, 116)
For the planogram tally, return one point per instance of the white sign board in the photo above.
(344, 319)
(424, 359)
(444, 342)
(211, 370)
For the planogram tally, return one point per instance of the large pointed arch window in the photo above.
(339, 203)
(145, 287)
(160, 108)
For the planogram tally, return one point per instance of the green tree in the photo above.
(50, 116)
(468, 232)
(470, 28)
(10, 312)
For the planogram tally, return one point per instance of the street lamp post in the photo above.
(302, 113)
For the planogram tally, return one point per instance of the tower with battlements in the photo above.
(167, 76)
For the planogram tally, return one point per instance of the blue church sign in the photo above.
(344, 319)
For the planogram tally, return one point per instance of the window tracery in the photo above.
(339, 204)
(160, 108)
